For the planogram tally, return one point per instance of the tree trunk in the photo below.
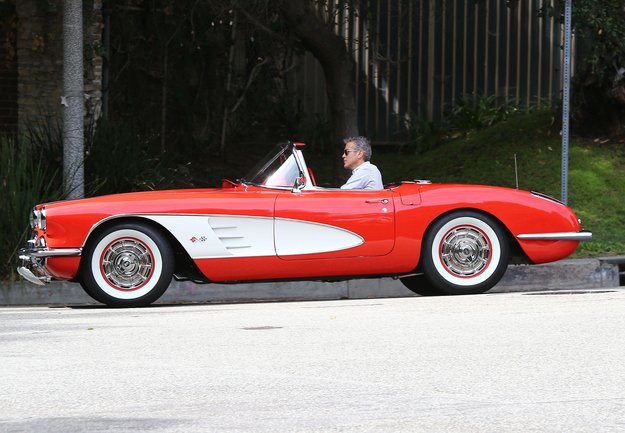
(73, 101)
(338, 66)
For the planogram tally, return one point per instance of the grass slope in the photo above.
(596, 190)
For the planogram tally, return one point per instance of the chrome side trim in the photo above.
(546, 197)
(584, 235)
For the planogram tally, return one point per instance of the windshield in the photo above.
(278, 169)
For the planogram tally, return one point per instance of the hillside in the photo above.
(596, 170)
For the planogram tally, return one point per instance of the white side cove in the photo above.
(207, 236)
(212, 236)
(303, 237)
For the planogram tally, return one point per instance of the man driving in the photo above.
(356, 156)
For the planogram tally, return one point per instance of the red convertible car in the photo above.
(276, 224)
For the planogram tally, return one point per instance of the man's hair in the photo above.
(361, 143)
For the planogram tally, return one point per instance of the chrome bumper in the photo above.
(32, 262)
(584, 235)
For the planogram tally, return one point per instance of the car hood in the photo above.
(200, 200)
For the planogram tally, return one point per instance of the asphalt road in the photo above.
(487, 363)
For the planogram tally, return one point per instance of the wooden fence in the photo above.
(418, 58)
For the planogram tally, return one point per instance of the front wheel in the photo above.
(127, 265)
(464, 252)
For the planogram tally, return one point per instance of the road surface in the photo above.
(551, 362)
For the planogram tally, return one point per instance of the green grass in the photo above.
(596, 190)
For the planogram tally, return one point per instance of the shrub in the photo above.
(477, 112)
(27, 176)
(116, 160)
(421, 133)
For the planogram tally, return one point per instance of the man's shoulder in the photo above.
(367, 165)
(372, 166)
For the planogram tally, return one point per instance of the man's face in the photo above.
(352, 158)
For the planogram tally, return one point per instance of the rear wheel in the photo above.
(464, 252)
(127, 265)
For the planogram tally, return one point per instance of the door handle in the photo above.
(377, 200)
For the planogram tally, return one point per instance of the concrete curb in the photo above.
(563, 275)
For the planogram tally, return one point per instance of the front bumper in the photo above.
(33, 260)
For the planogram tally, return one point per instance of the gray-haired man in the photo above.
(356, 156)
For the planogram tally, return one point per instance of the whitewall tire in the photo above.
(127, 265)
(465, 252)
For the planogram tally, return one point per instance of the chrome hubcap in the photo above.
(465, 251)
(127, 264)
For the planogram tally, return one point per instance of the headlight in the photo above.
(42, 221)
(38, 218)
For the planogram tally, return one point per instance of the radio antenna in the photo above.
(516, 172)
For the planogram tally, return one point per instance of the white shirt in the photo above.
(365, 176)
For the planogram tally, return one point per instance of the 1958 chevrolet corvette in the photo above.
(276, 224)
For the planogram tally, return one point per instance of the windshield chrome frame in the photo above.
(290, 149)
(301, 163)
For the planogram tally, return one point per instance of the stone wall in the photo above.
(39, 54)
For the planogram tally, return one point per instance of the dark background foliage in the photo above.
(197, 80)
(598, 87)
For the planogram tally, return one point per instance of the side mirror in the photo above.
(300, 183)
